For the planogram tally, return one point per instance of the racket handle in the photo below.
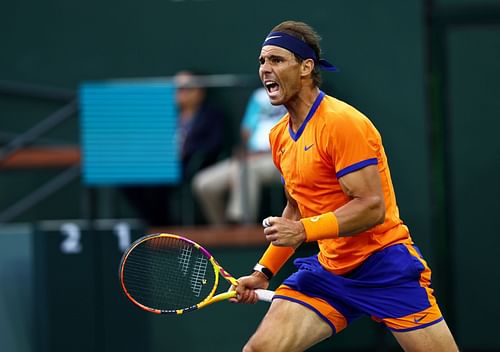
(264, 295)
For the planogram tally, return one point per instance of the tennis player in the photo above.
(340, 195)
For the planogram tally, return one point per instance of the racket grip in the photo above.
(264, 295)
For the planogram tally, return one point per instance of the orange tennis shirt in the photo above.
(334, 140)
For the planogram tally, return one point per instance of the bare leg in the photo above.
(435, 338)
(288, 327)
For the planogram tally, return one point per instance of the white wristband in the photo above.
(265, 271)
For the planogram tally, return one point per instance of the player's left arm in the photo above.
(366, 208)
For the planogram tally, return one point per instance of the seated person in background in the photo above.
(243, 174)
(200, 131)
(200, 136)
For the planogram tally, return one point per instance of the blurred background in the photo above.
(426, 72)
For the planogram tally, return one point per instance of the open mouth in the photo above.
(272, 87)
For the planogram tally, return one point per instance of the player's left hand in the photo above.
(283, 232)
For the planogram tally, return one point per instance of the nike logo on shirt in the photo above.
(306, 148)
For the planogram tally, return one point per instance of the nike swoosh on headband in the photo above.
(298, 47)
(272, 37)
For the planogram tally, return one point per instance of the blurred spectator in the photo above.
(242, 175)
(201, 131)
(200, 136)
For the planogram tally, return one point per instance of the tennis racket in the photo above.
(170, 274)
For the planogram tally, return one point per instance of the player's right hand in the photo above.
(283, 232)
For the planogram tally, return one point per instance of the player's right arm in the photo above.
(272, 260)
(285, 231)
(291, 210)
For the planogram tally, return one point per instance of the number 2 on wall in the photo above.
(71, 243)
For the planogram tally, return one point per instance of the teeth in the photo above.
(270, 85)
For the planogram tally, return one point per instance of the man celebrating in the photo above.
(340, 194)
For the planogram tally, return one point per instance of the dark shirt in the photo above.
(203, 140)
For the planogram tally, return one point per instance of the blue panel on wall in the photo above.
(128, 132)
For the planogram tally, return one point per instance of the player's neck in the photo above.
(300, 105)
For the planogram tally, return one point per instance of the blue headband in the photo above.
(298, 47)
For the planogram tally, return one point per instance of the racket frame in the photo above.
(218, 270)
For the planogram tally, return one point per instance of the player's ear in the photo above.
(307, 67)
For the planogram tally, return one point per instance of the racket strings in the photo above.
(167, 273)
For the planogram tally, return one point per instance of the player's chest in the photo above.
(305, 161)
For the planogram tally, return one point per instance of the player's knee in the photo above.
(258, 344)
(253, 347)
